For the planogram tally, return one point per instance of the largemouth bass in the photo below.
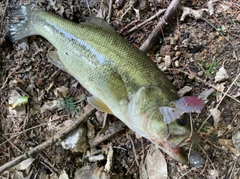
(122, 79)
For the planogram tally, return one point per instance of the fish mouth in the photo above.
(175, 148)
(177, 153)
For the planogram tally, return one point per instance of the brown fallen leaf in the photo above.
(156, 164)
(229, 144)
(216, 116)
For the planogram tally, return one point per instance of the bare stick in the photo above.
(110, 11)
(146, 21)
(112, 130)
(161, 24)
(55, 139)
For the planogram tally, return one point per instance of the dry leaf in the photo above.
(109, 163)
(213, 174)
(17, 110)
(156, 164)
(221, 75)
(220, 87)
(85, 172)
(236, 139)
(210, 5)
(50, 105)
(216, 115)
(25, 164)
(196, 14)
(229, 144)
(63, 175)
(19, 102)
(61, 91)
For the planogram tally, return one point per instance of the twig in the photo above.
(4, 12)
(117, 127)
(219, 32)
(134, 150)
(234, 166)
(55, 139)
(88, 7)
(234, 81)
(146, 21)
(110, 11)
(225, 94)
(24, 131)
(165, 20)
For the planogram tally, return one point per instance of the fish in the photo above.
(122, 79)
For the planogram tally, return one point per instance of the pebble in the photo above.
(167, 60)
(200, 73)
(176, 63)
(178, 53)
(196, 160)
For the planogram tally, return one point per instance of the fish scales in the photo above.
(122, 79)
(98, 55)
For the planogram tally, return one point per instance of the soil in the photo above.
(197, 47)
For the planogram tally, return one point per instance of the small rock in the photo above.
(200, 73)
(221, 75)
(77, 140)
(191, 77)
(167, 60)
(196, 160)
(176, 48)
(177, 63)
(178, 53)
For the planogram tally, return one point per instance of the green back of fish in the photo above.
(103, 62)
(115, 72)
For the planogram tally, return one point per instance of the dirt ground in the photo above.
(197, 52)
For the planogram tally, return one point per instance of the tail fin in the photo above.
(20, 22)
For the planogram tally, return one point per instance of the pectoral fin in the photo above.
(54, 58)
(98, 104)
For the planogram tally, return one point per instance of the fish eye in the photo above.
(182, 121)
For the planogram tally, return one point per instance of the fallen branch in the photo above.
(161, 24)
(112, 130)
(55, 139)
(161, 11)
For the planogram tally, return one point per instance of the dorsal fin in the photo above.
(100, 22)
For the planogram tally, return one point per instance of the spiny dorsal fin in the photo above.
(100, 22)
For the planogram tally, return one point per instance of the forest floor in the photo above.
(197, 52)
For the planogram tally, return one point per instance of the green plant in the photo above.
(210, 67)
(68, 104)
(223, 30)
(195, 146)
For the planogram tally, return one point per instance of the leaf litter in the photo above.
(38, 78)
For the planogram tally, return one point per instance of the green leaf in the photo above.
(20, 101)
(211, 67)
